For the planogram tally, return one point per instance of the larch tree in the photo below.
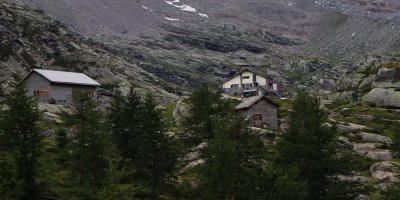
(124, 120)
(89, 143)
(21, 135)
(158, 154)
(308, 149)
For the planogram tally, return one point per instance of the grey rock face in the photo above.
(385, 172)
(380, 154)
(370, 137)
(388, 97)
(367, 81)
(387, 78)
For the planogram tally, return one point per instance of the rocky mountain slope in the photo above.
(30, 39)
(302, 43)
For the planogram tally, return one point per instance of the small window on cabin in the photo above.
(234, 85)
(245, 77)
(257, 116)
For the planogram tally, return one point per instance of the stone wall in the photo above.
(269, 113)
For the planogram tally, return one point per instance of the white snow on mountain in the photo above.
(171, 19)
(182, 7)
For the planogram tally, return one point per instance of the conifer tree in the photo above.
(20, 134)
(157, 153)
(308, 149)
(89, 143)
(233, 162)
(204, 106)
(124, 119)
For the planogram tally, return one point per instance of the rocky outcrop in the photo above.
(370, 137)
(387, 78)
(385, 172)
(387, 97)
(386, 88)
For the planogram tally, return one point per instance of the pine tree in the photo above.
(157, 151)
(308, 149)
(62, 139)
(204, 106)
(233, 162)
(124, 120)
(20, 134)
(89, 144)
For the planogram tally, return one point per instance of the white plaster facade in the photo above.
(245, 80)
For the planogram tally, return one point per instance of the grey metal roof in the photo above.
(251, 100)
(66, 77)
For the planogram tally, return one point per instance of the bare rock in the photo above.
(349, 127)
(48, 116)
(385, 172)
(383, 97)
(367, 81)
(364, 148)
(379, 154)
(370, 137)
(387, 78)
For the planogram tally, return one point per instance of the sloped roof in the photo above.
(66, 77)
(251, 100)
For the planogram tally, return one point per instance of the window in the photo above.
(257, 116)
(247, 85)
(234, 85)
(245, 77)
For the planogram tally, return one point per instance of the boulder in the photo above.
(385, 172)
(383, 97)
(379, 154)
(387, 78)
(48, 116)
(367, 81)
(349, 127)
(370, 137)
(364, 148)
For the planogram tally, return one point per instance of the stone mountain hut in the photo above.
(58, 86)
(260, 111)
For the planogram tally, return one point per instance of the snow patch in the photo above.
(186, 8)
(203, 15)
(144, 7)
(171, 19)
(182, 7)
(290, 4)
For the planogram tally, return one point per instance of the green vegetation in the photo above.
(20, 141)
(308, 151)
(126, 153)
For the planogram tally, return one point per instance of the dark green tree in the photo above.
(233, 161)
(124, 120)
(89, 147)
(20, 134)
(158, 154)
(308, 149)
(204, 106)
(62, 139)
